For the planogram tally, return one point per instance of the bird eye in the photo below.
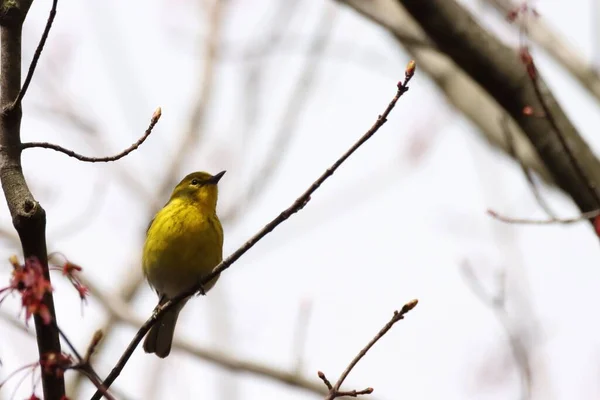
(195, 181)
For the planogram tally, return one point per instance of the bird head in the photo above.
(200, 188)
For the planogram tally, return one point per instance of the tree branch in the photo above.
(498, 69)
(36, 56)
(460, 90)
(28, 216)
(70, 153)
(334, 390)
(553, 44)
(283, 216)
(120, 311)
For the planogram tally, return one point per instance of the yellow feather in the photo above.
(183, 244)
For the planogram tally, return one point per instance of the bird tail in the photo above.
(160, 337)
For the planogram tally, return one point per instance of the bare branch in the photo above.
(460, 90)
(555, 45)
(84, 365)
(283, 216)
(36, 56)
(559, 131)
(292, 112)
(123, 312)
(497, 304)
(496, 67)
(526, 171)
(571, 220)
(334, 390)
(28, 216)
(155, 117)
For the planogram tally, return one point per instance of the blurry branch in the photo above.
(63, 109)
(370, 59)
(526, 172)
(10, 237)
(36, 55)
(460, 90)
(125, 294)
(559, 129)
(291, 116)
(296, 206)
(83, 365)
(497, 304)
(571, 220)
(192, 138)
(18, 324)
(498, 69)
(334, 390)
(28, 216)
(85, 217)
(155, 117)
(122, 312)
(15, 322)
(197, 122)
(553, 44)
(257, 66)
(301, 333)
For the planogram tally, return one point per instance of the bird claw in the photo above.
(201, 291)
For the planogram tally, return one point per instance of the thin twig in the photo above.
(497, 304)
(534, 77)
(510, 143)
(84, 365)
(36, 56)
(283, 216)
(292, 113)
(334, 390)
(579, 218)
(71, 153)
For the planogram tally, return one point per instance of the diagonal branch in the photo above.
(553, 44)
(334, 390)
(36, 56)
(70, 153)
(123, 312)
(497, 68)
(283, 216)
(526, 171)
(459, 89)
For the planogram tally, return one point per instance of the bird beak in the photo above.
(216, 178)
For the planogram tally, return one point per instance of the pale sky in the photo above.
(383, 230)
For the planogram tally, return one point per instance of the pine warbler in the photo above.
(184, 242)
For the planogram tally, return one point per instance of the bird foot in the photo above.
(201, 291)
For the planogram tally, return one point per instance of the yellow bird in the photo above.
(184, 242)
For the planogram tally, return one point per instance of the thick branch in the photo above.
(498, 69)
(29, 218)
(283, 216)
(554, 44)
(460, 90)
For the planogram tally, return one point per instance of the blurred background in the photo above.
(274, 92)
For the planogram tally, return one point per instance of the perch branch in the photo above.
(283, 216)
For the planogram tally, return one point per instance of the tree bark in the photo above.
(28, 216)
